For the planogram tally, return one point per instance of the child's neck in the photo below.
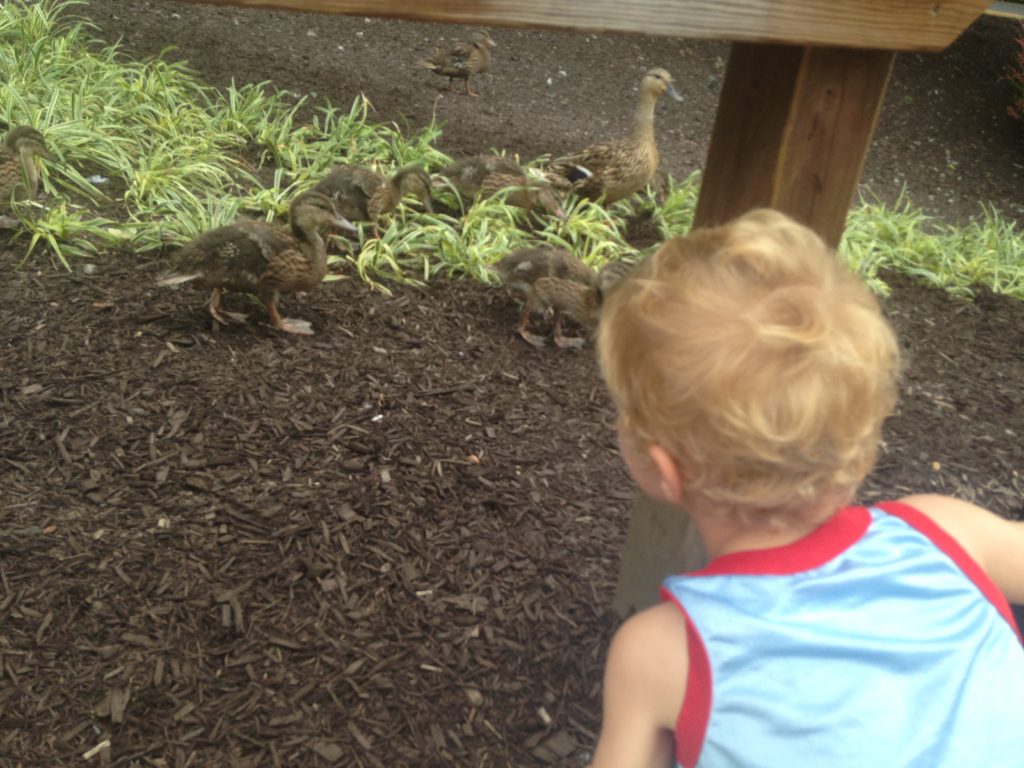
(723, 534)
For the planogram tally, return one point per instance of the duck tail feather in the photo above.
(177, 279)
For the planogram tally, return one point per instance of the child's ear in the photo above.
(670, 476)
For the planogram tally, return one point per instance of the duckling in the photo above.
(617, 169)
(553, 278)
(462, 60)
(361, 194)
(19, 176)
(486, 175)
(259, 258)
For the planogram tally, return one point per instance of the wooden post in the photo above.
(659, 541)
(792, 130)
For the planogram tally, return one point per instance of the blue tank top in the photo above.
(875, 641)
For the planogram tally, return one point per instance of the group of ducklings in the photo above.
(269, 260)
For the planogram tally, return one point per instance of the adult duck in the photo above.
(613, 170)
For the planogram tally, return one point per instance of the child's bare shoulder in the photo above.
(994, 542)
(650, 650)
(961, 519)
(662, 623)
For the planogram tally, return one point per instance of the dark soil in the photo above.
(395, 543)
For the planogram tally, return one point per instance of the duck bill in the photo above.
(671, 91)
(344, 225)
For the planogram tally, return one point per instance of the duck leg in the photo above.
(565, 342)
(469, 90)
(222, 316)
(532, 338)
(286, 324)
(451, 82)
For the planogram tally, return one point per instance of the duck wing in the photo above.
(590, 161)
(350, 187)
(236, 257)
(471, 174)
(12, 176)
(614, 168)
(460, 60)
(525, 266)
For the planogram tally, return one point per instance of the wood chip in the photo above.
(364, 742)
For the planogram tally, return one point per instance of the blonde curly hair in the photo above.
(755, 358)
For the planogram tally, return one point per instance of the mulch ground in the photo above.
(395, 543)
(392, 543)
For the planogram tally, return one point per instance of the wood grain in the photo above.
(837, 103)
(904, 25)
(792, 130)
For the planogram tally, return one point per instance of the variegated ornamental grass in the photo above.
(148, 156)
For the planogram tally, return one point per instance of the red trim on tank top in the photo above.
(692, 723)
(952, 549)
(830, 539)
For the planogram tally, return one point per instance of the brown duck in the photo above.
(258, 258)
(485, 175)
(462, 60)
(361, 194)
(545, 278)
(613, 170)
(19, 176)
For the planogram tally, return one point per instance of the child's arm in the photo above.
(644, 684)
(996, 544)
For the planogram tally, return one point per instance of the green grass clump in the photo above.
(987, 252)
(150, 156)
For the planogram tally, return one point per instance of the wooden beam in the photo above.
(904, 25)
(792, 130)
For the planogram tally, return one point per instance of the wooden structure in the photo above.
(803, 88)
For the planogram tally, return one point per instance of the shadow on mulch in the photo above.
(392, 543)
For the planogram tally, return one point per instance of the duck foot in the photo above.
(224, 317)
(292, 325)
(534, 339)
(569, 342)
